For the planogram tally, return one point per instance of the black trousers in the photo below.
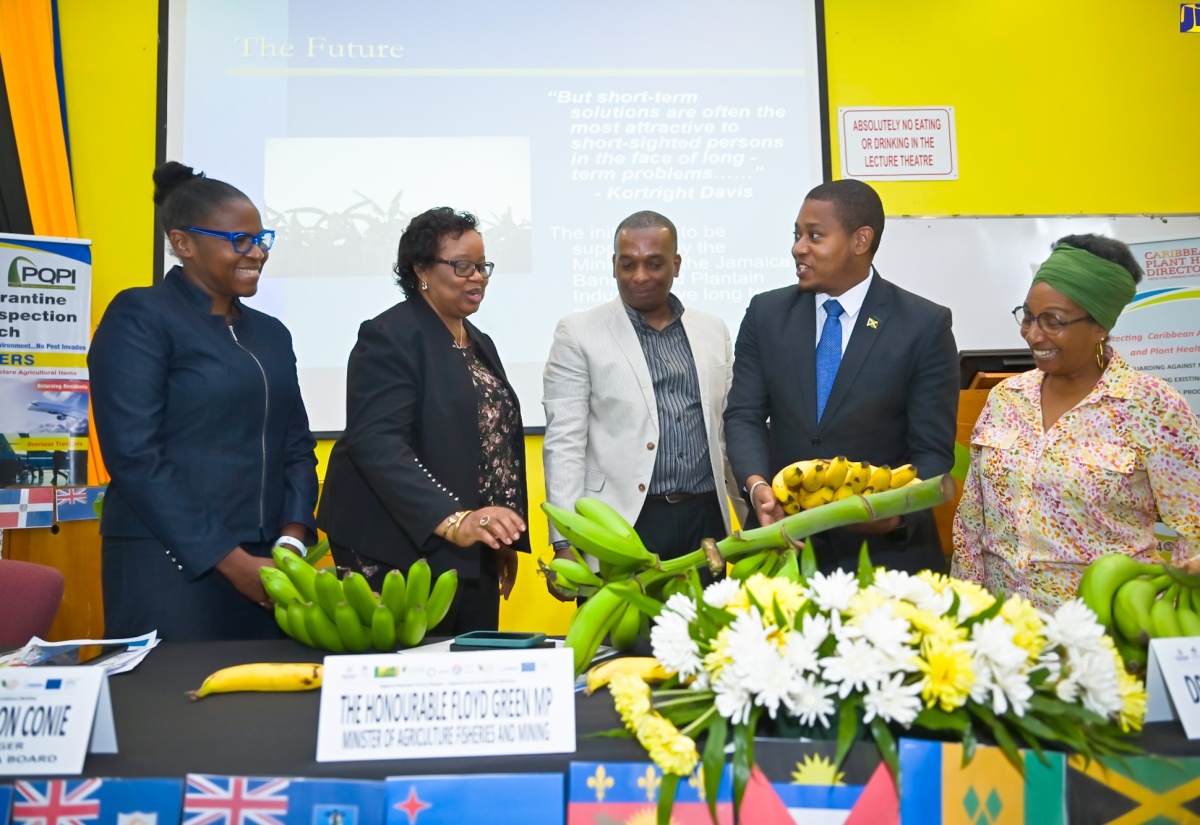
(673, 530)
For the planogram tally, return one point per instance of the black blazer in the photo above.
(201, 424)
(409, 455)
(894, 401)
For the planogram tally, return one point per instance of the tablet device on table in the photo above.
(497, 639)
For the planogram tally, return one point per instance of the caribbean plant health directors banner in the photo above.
(45, 323)
(1159, 331)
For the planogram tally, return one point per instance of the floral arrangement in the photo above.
(842, 655)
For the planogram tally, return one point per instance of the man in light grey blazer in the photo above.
(634, 391)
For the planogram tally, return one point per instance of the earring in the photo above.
(424, 286)
(1100, 354)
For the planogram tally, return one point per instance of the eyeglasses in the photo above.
(1050, 324)
(465, 269)
(242, 241)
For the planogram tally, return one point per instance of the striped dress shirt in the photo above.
(682, 464)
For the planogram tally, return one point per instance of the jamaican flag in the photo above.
(1155, 790)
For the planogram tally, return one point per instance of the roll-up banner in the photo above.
(45, 324)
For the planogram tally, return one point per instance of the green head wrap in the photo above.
(1101, 287)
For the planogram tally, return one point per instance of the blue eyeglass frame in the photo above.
(263, 240)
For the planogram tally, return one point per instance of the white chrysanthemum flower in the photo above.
(937, 602)
(893, 701)
(673, 645)
(815, 629)
(1067, 689)
(683, 605)
(733, 700)
(720, 593)
(1015, 688)
(800, 654)
(884, 629)
(1074, 626)
(832, 592)
(992, 642)
(900, 585)
(855, 665)
(1097, 677)
(809, 701)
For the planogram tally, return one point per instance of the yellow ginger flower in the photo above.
(976, 598)
(672, 751)
(766, 591)
(631, 697)
(866, 600)
(948, 674)
(1022, 615)
(930, 626)
(1133, 699)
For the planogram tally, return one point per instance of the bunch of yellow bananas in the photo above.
(1138, 601)
(803, 485)
(316, 609)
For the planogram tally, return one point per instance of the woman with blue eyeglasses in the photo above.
(1079, 457)
(201, 425)
(431, 462)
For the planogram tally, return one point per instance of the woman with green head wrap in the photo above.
(1078, 458)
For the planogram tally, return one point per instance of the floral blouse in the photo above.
(1038, 506)
(500, 435)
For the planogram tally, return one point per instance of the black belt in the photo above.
(676, 498)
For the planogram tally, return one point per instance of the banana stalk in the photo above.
(791, 531)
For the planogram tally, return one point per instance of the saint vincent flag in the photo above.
(1155, 790)
(626, 793)
(936, 789)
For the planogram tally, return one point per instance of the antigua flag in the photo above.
(803, 776)
(498, 799)
(76, 503)
(96, 802)
(26, 507)
(604, 793)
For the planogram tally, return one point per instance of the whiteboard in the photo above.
(981, 267)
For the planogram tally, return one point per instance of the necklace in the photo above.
(461, 336)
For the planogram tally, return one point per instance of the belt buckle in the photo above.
(676, 498)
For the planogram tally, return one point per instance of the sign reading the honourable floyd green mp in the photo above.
(45, 324)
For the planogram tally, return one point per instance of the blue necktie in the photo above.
(829, 353)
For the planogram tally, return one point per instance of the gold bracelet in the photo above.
(457, 522)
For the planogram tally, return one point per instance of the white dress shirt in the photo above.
(851, 301)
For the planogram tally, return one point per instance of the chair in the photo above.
(29, 598)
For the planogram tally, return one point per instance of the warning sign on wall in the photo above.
(884, 143)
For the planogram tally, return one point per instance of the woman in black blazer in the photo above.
(431, 463)
(202, 428)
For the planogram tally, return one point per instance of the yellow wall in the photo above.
(1060, 108)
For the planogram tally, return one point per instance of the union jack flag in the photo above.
(57, 802)
(70, 495)
(234, 800)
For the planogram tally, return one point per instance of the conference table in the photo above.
(162, 733)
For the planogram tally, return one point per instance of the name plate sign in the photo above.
(432, 705)
(1173, 683)
(50, 715)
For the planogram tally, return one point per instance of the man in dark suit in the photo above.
(844, 364)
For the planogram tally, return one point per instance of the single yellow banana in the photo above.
(903, 475)
(264, 676)
(835, 475)
(814, 478)
(793, 474)
(858, 476)
(845, 491)
(784, 494)
(880, 480)
(647, 667)
(821, 496)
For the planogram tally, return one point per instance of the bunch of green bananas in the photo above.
(317, 609)
(1138, 601)
(803, 485)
